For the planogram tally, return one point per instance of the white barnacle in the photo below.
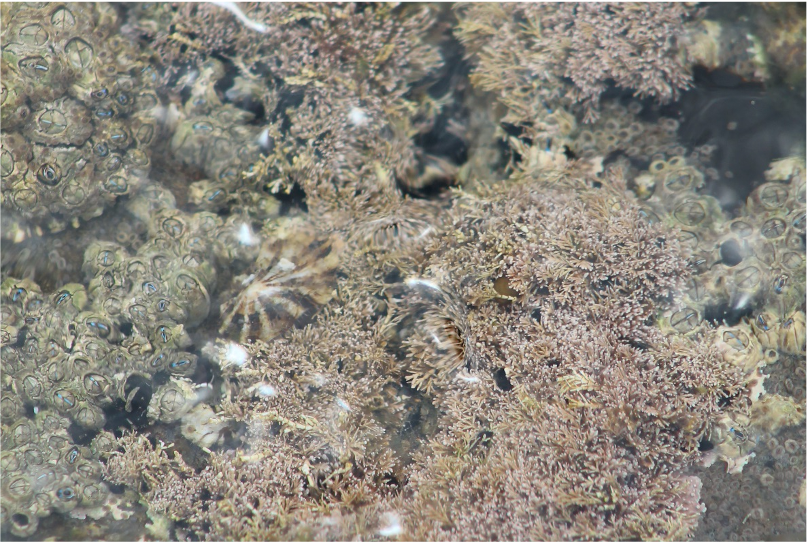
(468, 378)
(203, 392)
(285, 265)
(742, 301)
(191, 78)
(263, 139)
(425, 232)
(246, 21)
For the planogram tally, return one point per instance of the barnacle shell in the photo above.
(292, 278)
(174, 399)
(684, 321)
(765, 326)
(791, 333)
(774, 412)
(13, 109)
(740, 346)
(202, 426)
(62, 122)
(438, 342)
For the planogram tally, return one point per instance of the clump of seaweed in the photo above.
(526, 51)
(316, 405)
(557, 291)
(562, 348)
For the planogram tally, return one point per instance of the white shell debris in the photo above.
(358, 117)
(246, 236)
(414, 282)
(235, 354)
(267, 390)
(233, 8)
(391, 525)
(263, 139)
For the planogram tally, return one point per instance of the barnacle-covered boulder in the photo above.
(81, 350)
(79, 117)
(81, 345)
(749, 264)
(44, 472)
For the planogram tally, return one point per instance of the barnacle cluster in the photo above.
(750, 269)
(44, 471)
(753, 259)
(79, 354)
(366, 271)
(218, 140)
(771, 483)
(79, 116)
(87, 352)
(61, 369)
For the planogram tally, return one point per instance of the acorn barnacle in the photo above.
(437, 339)
(402, 224)
(292, 278)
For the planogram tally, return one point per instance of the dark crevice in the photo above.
(22, 335)
(730, 252)
(287, 99)
(294, 199)
(705, 445)
(126, 328)
(724, 313)
(440, 142)
(80, 435)
(160, 378)
(636, 344)
(118, 417)
(116, 489)
(29, 409)
(749, 124)
(502, 381)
